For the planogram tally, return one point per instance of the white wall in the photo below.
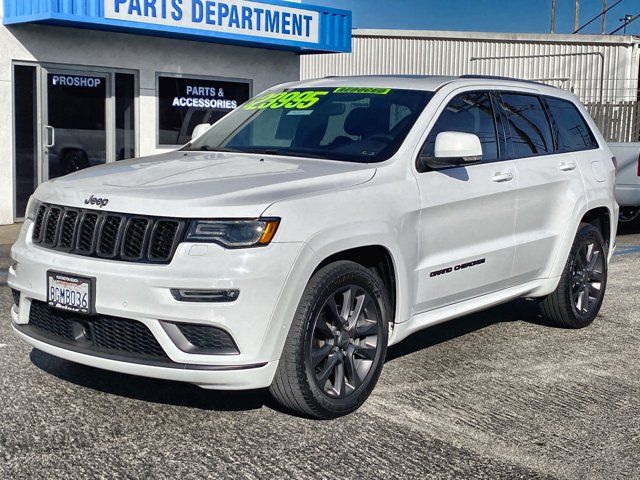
(146, 54)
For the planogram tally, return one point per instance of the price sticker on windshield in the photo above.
(296, 99)
(369, 90)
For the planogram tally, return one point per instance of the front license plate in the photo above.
(69, 292)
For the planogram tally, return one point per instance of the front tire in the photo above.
(337, 343)
(578, 298)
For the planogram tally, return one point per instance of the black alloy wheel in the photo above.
(629, 214)
(576, 301)
(344, 341)
(337, 342)
(588, 276)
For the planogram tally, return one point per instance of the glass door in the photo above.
(75, 124)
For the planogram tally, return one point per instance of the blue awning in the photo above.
(275, 24)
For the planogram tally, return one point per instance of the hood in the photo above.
(202, 184)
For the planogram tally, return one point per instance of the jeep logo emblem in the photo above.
(101, 202)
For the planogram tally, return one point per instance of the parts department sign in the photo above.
(241, 17)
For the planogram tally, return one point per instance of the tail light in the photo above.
(639, 164)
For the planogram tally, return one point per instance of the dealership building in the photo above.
(86, 82)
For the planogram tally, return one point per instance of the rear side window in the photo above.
(528, 130)
(469, 113)
(572, 130)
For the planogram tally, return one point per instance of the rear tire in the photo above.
(629, 218)
(337, 343)
(578, 298)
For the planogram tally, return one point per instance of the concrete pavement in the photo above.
(494, 395)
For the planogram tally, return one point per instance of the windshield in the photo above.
(362, 125)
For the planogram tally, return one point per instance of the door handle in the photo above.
(567, 166)
(51, 137)
(502, 177)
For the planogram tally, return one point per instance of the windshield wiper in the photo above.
(207, 148)
(284, 153)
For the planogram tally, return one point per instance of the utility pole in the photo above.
(576, 16)
(627, 19)
(553, 17)
(603, 30)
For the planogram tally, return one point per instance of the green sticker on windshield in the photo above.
(289, 100)
(371, 90)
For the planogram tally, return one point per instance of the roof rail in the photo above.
(497, 77)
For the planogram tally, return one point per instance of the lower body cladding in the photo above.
(141, 327)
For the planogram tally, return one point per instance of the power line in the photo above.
(627, 20)
(602, 14)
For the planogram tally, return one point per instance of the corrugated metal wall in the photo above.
(596, 68)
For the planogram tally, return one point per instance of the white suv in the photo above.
(290, 243)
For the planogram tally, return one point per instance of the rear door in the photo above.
(549, 180)
(467, 215)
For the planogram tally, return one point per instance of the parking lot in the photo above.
(491, 395)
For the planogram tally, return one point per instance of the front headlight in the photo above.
(234, 233)
(32, 208)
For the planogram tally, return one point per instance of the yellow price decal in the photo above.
(288, 100)
(374, 91)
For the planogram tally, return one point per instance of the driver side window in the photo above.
(469, 112)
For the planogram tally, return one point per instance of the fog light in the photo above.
(16, 296)
(185, 295)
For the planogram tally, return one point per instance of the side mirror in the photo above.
(199, 130)
(454, 149)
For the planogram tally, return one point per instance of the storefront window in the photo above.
(187, 102)
(76, 121)
(26, 155)
(125, 116)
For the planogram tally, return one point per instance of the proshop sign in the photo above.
(241, 17)
(75, 81)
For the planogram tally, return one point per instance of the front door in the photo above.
(75, 121)
(468, 214)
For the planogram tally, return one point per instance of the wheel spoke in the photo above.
(589, 252)
(595, 255)
(322, 330)
(584, 300)
(596, 276)
(581, 258)
(365, 352)
(339, 381)
(352, 372)
(332, 308)
(326, 371)
(319, 354)
(346, 305)
(576, 298)
(366, 329)
(357, 310)
(594, 291)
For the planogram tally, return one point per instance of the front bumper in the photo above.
(258, 320)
